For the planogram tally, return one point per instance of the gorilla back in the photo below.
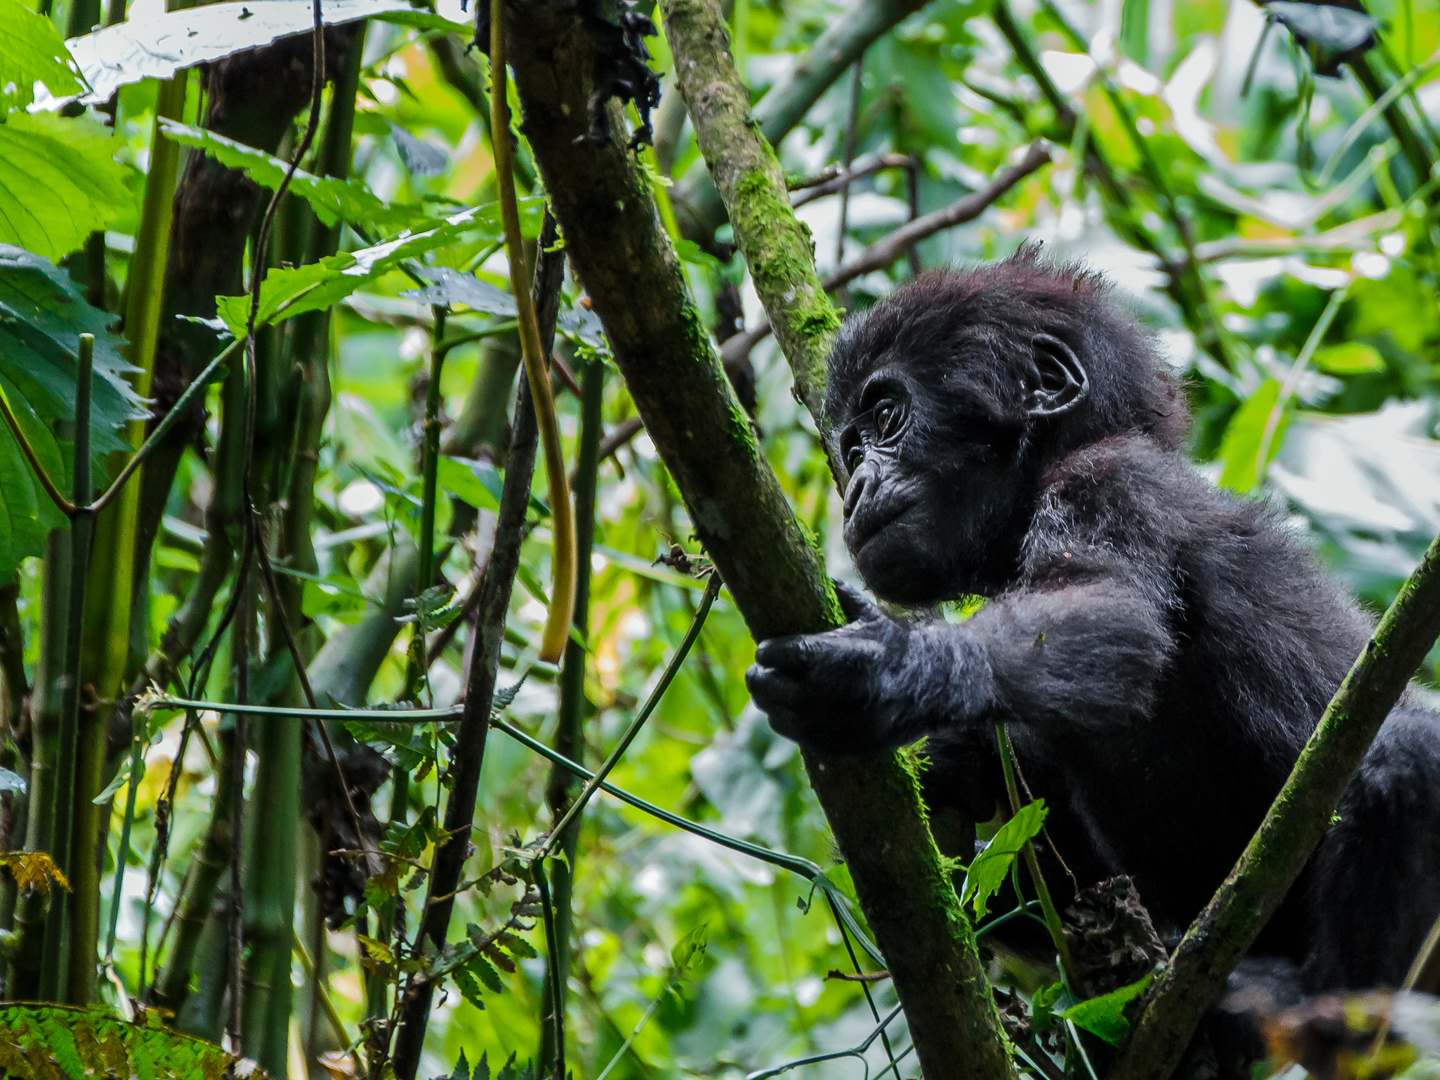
(1159, 649)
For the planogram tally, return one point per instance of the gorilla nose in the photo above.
(855, 492)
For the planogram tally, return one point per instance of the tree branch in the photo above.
(740, 514)
(1225, 930)
(837, 177)
(883, 252)
(787, 102)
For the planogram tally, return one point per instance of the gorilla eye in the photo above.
(886, 415)
(854, 457)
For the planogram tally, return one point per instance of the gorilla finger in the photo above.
(786, 723)
(772, 689)
(790, 651)
(856, 605)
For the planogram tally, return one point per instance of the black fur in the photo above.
(1160, 649)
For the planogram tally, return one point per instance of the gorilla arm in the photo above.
(1084, 654)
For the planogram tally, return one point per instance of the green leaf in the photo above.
(453, 287)
(1240, 448)
(332, 199)
(688, 950)
(157, 46)
(58, 1042)
(1105, 1015)
(42, 316)
(58, 182)
(477, 965)
(11, 781)
(473, 482)
(288, 292)
(1349, 358)
(987, 872)
(31, 51)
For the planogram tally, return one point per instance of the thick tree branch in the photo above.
(752, 184)
(696, 201)
(1297, 820)
(882, 253)
(603, 202)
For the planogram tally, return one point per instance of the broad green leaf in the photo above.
(987, 872)
(288, 292)
(473, 482)
(454, 288)
(59, 1042)
(157, 46)
(42, 316)
(1349, 358)
(1240, 448)
(58, 182)
(1105, 1015)
(332, 199)
(31, 51)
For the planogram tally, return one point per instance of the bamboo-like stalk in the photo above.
(570, 716)
(57, 920)
(106, 660)
(534, 353)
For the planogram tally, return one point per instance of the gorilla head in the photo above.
(949, 398)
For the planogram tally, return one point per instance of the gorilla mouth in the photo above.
(872, 525)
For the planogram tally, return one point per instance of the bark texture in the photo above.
(635, 284)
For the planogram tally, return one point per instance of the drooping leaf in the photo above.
(331, 198)
(58, 182)
(1240, 448)
(31, 51)
(157, 46)
(288, 292)
(420, 157)
(473, 482)
(33, 870)
(454, 288)
(42, 316)
(1105, 1015)
(1334, 29)
(987, 872)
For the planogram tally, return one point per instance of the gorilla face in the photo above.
(941, 485)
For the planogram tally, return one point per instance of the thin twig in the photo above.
(883, 252)
(833, 179)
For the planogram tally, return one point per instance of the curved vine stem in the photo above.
(562, 563)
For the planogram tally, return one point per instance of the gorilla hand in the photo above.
(873, 684)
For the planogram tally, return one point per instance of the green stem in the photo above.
(416, 674)
(1032, 864)
(57, 919)
(712, 589)
(570, 716)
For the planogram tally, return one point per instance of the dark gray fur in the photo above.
(1161, 649)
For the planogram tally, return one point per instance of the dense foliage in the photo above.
(1259, 183)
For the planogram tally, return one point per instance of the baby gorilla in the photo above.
(1160, 650)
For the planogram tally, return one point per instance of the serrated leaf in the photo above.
(517, 945)
(42, 316)
(31, 51)
(58, 182)
(331, 198)
(33, 870)
(376, 950)
(987, 872)
(498, 958)
(454, 288)
(288, 292)
(157, 46)
(1105, 1015)
(479, 966)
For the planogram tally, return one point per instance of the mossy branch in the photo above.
(1295, 823)
(603, 202)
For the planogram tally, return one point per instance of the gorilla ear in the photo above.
(1056, 381)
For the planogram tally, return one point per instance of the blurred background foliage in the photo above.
(1274, 230)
